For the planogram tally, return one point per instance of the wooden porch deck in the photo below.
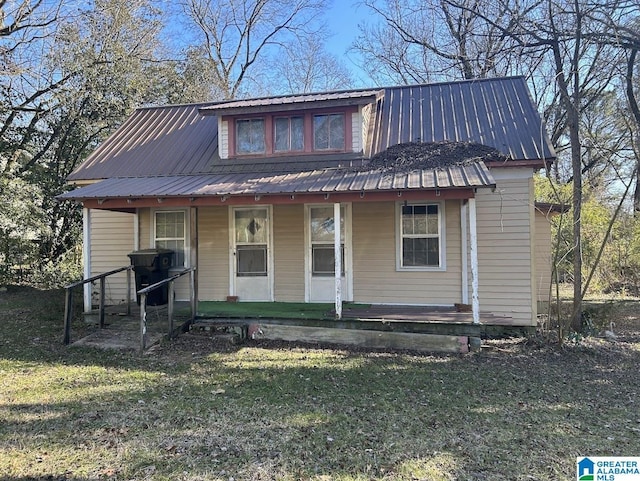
(392, 326)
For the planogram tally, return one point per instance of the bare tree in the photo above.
(239, 37)
(554, 42)
(26, 27)
(307, 67)
(420, 41)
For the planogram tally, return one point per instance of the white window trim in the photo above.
(443, 241)
(187, 229)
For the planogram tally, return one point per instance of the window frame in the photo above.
(269, 119)
(344, 131)
(186, 238)
(246, 246)
(265, 145)
(289, 119)
(441, 236)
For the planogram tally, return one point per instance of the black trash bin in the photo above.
(151, 266)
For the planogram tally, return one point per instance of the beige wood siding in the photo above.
(505, 246)
(543, 256)
(111, 241)
(376, 279)
(213, 253)
(144, 229)
(288, 252)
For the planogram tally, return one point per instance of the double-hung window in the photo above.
(170, 232)
(328, 132)
(288, 133)
(420, 236)
(250, 136)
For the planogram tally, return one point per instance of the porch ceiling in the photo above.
(324, 181)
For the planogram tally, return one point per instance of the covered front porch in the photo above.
(389, 327)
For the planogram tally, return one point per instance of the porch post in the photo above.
(338, 258)
(136, 247)
(475, 302)
(193, 253)
(86, 257)
(464, 240)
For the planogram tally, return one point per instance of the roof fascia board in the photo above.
(537, 163)
(395, 195)
(288, 107)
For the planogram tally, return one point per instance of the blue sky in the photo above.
(343, 19)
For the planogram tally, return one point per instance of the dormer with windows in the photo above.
(281, 127)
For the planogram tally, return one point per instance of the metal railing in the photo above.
(143, 302)
(68, 303)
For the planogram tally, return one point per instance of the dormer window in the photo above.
(250, 138)
(328, 132)
(288, 133)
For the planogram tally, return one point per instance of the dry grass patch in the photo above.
(197, 410)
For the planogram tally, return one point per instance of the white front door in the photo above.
(252, 266)
(320, 253)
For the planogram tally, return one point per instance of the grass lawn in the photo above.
(195, 409)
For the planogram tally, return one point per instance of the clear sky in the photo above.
(343, 19)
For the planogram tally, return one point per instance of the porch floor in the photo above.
(123, 332)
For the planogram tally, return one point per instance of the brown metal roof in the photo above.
(287, 102)
(494, 112)
(317, 181)
(168, 140)
(181, 144)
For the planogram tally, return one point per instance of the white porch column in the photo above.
(473, 231)
(86, 257)
(136, 246)
(464, 241)
(338, 258)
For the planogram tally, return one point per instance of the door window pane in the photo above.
(252, 260)
(322, 224)
(251, 226)
(323, 260)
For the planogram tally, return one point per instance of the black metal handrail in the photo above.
(68, 303)
(143, 302)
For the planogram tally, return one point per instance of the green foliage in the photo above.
(618, 271)
(93, 69)
(21, 225)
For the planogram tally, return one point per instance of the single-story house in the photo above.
(425, 192)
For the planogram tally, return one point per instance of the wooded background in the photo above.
(72, 71)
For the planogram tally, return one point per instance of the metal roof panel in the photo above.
(317, 181)
(494, 112)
